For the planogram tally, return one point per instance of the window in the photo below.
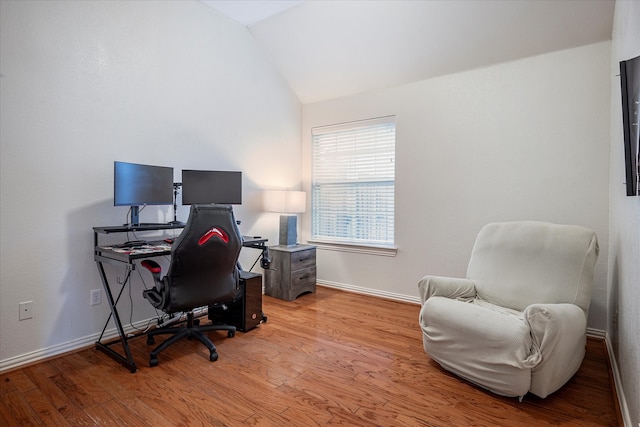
(353, 183)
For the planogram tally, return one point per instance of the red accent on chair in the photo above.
(153, 267)
(214, 231)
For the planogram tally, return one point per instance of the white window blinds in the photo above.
(353, 182)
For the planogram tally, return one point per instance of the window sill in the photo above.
(355, 248)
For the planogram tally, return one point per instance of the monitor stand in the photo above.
(135, 220)
(135, 217)
(175, 221)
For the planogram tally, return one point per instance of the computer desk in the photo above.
(108, 254)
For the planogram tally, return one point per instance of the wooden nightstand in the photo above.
(292, 271)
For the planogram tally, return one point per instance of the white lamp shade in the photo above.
(285, 201)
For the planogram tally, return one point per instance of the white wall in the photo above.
(86, 83)
(522, 140)
(624, 255)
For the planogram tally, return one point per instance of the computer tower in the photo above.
(246, 312)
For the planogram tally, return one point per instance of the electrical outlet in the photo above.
(96, 297)
(26, 310)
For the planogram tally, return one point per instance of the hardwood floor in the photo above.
(330, 358)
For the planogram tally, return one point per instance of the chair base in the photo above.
(191, 330)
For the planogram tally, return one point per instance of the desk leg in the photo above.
(106, 348)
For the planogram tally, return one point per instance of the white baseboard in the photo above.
(596, 333)
(67, 347)
(368, 291)
(617, 381)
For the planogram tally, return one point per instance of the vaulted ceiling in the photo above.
(327, 49)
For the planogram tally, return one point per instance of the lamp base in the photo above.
(288, 230)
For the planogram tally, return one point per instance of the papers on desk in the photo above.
(145, 249)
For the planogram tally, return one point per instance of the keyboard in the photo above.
(131, 244)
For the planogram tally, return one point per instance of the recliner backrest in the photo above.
(204, 258)
(515, 264)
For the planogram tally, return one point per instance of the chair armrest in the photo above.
(559, 334)
(157, 295)
(153, 267)
(154, 297)
(551, 323)
(448, 287)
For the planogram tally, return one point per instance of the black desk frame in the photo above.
(104, 255)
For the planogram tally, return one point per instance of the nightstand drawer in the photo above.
(300, 278)
(303, 259)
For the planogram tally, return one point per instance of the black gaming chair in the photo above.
(203, 271)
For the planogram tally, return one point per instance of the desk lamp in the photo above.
(290, 203)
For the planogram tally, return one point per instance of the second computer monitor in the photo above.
(204, 187)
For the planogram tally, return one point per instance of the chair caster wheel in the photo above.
(150, 340)
(153, 362)
(231, 334)
(213, 356)
(196, 322)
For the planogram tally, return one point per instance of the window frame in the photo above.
(358, 128)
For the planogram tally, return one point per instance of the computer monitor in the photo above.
(204, 187)
(137, 185)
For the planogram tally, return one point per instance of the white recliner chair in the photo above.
(518, 322)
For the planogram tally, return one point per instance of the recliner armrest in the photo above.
(552, 322)
(448, 287)
(559, 333)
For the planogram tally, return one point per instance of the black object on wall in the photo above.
(630, 85)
